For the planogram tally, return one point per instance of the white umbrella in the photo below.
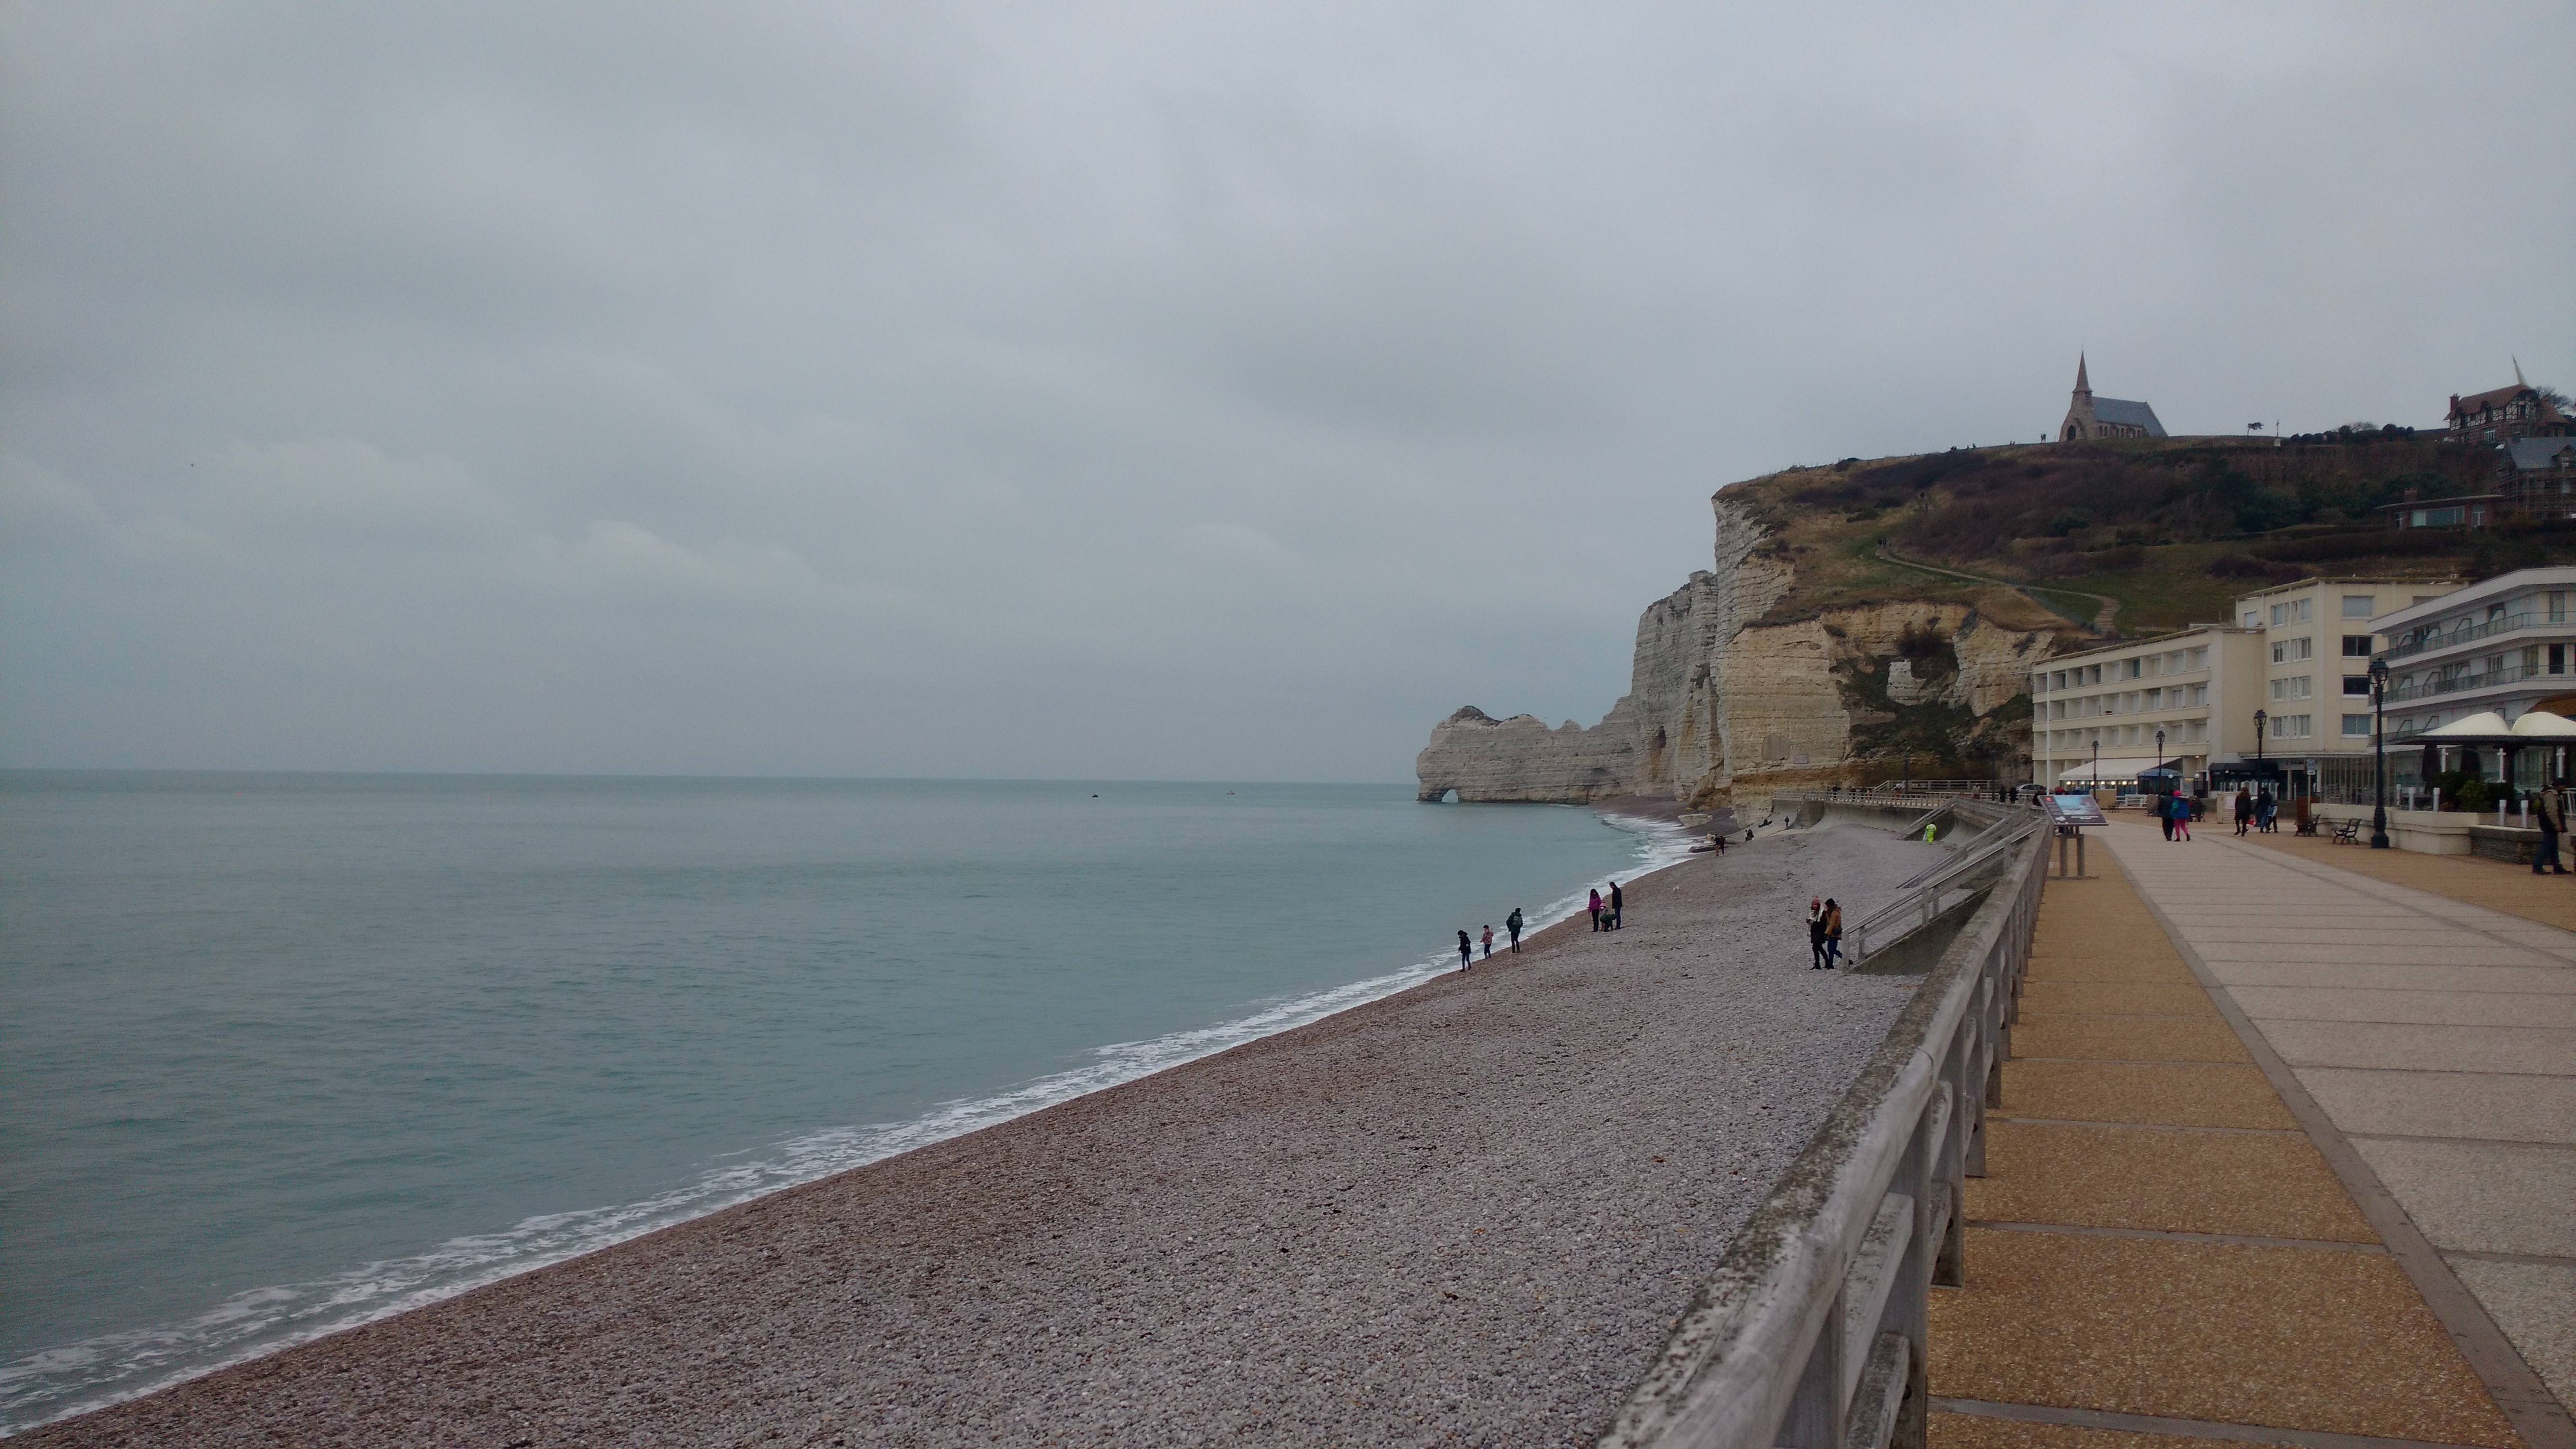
(2484, 725)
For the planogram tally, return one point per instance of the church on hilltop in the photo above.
(2105, 417)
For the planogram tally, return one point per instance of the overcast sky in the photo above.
(1189, 391)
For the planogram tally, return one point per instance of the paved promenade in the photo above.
(2436, 1036)
(2158, 1246)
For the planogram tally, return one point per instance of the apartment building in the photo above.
(2506, 646)
(2097, 714)
(2299, 654)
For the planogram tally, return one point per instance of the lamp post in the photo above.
(2379, 753)
(2260, 720)
(2097, 767)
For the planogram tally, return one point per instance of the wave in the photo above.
(111, 1368)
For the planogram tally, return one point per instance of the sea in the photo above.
(283, 1054)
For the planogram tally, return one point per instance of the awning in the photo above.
(2542, 725)
(2114, 771)
(2484, 725)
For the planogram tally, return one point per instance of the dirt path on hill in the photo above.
(2105, 621)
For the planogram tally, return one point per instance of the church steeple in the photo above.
(2082, 387)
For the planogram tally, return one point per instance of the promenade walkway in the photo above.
(2427, 1006)
(2174, 1239)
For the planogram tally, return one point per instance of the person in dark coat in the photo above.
(2550, 814)
(1512, 923)
(1618, 903)
(1833, 932)
(1816, 932)
(1465, 961)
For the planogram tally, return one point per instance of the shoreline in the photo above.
(1171, 1190)
(948, 1121)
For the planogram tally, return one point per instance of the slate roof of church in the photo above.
(2131, 414)
(2492, 397)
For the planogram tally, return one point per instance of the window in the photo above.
(2060, 680)
(2558, 659)
(2252, 619)
(2137, 668)
(2358, 606)
(2155, 700)
(2356, 684)
(2200, 657)
(2291, 651)
(2294, 726)
(2295, 687)
(2297, 611)
(2558, 608)
(2200, 694)
(2357, 646)
(2094, 675)
(2356, 725)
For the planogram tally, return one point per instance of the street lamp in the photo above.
(2260, 720)
(2379, 753)
(2097, 767)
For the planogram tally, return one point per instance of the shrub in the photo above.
(2071, 521)
(2472, 797)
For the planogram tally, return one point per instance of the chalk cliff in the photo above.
(1727, 703)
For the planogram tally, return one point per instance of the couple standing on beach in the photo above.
(1511, 923)
(1825, 932)
(1605, 914)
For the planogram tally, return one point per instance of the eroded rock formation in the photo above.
(1725, 705)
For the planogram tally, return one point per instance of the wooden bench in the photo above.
(2348, 832)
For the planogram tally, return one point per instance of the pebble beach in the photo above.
(1466, 1214)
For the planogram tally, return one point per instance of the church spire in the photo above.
(2080, 384)
(2517, 372)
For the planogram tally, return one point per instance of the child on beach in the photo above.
(1489, 943)
(1465, 961)
(1596, 910)
(1512, 923)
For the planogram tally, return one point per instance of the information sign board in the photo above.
(2074, 810)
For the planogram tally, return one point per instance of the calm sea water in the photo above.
(279, 1054)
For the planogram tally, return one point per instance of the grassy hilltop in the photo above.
(2141, 536)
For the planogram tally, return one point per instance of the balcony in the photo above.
(2462, 683)
(2472, 634)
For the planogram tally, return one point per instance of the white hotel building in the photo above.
(2506, 646)
(2300, 654)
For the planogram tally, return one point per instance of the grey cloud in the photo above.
(1160, 390)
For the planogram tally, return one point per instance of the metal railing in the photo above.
(1893, 790)
(1812, 1331)
(1941, 887)
(2454, 684)
(2472, 634)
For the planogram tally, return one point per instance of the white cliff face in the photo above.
(1722, 710)
(1521, 759)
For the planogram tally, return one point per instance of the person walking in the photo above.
(1618, 905)
(1816, 932)
(1488, 940)
(1833, 932)
(2182, 818)
(2164, 816)
(1464, 960)
(2551, 809)
(1596, 910)
(2244, 809)
(1512, 923)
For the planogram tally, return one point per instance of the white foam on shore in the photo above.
(111, 1368)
